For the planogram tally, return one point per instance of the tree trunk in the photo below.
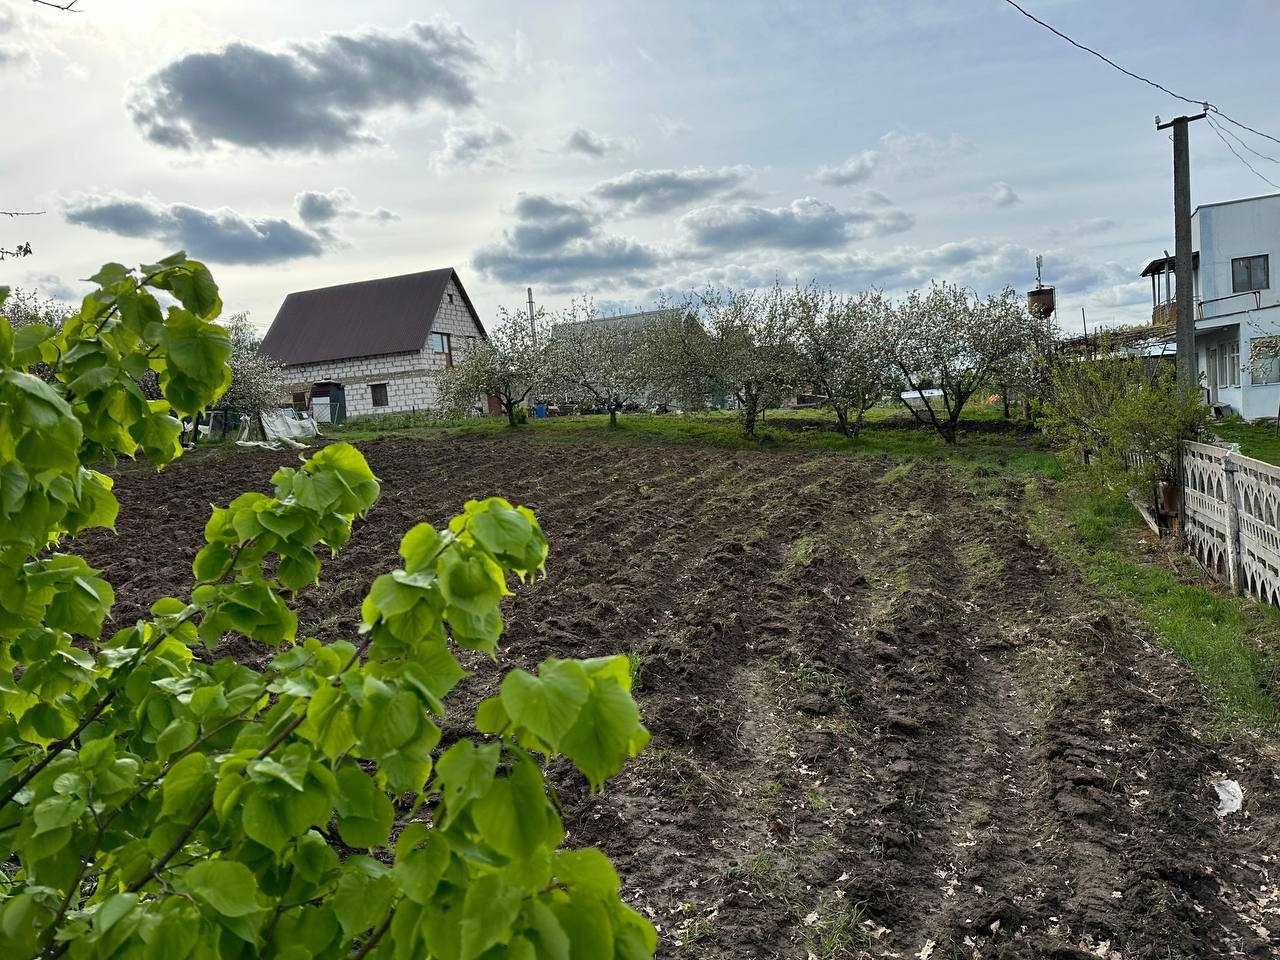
(613, 416)
(510, 406)
(1004, 399)
(749, 414)
(842, 420)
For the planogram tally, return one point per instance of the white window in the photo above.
(1233, 363)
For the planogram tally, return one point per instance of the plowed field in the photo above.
(885, 722)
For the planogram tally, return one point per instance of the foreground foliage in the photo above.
(157, 800)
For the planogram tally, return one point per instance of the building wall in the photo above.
(1221, 233)
(410, 377)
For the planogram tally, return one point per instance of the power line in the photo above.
(1208, 107)
(1105, 59)
(1236, 137)
(1238, 156)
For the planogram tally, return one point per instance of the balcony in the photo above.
(1164, 313)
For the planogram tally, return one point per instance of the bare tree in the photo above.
(515, 362)
(843, 348)
(959, 342)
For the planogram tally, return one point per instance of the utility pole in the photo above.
(533, 327)
(1185, 295)
(1084, 323)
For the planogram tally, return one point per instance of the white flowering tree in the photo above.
(843, 345)
(515, 363)
(607, 361)
(257, 380)
(959, 342)
(748, 351)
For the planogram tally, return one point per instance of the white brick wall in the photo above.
(410, 377)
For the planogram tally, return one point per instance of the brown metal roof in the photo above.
(1161, 264)
(363, 319)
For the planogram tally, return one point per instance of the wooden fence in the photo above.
(1231, 518)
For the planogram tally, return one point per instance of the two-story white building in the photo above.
(1236, 301)
(375, 346)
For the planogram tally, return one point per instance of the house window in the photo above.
(1250, 273)
(451, 298)
(442, 346)
(299, 401)
(1233, 363)
(379, 391)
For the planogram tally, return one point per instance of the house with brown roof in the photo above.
(374, 346)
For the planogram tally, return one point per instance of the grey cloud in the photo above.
(582, 141)
(221, 235)
(308, 96)
(657, 191)
(1003, 195)
(473, 145)
(556, 243)
(544, 224)
(804, 224)
(616, 260)
(856, 169)
(319, 210)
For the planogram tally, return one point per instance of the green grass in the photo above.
(1258, 440)
(888, 432)
(1231, 643)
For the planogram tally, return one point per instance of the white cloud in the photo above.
(586, 143)
(1003, 195)
(474, 145)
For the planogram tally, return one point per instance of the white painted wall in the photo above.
(1221, 233)
(410, 377)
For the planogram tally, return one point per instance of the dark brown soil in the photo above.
(885, 723)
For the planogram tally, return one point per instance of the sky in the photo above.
(620, 151)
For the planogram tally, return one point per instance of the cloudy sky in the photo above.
(618, 150)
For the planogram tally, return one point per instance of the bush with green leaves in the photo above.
(160, 800)
(1124, 413)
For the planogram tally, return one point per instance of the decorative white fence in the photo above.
(1231, 507)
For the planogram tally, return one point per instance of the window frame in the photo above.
(373, 395)
(1249, 272)
(446, 341)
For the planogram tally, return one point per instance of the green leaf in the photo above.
(419, 547)
(177, 736)
(421, 862)
(329, 724)
(488, 912)
(463, 773)
(387, 723)
(546, 705)
(512, 536)
(186, 787)
(470, 581)
(364, 812)
(589, 870)
(606, 734)
(228, 887)
(514, 816)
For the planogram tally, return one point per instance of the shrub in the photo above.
(156, 801)
(1124, 413)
